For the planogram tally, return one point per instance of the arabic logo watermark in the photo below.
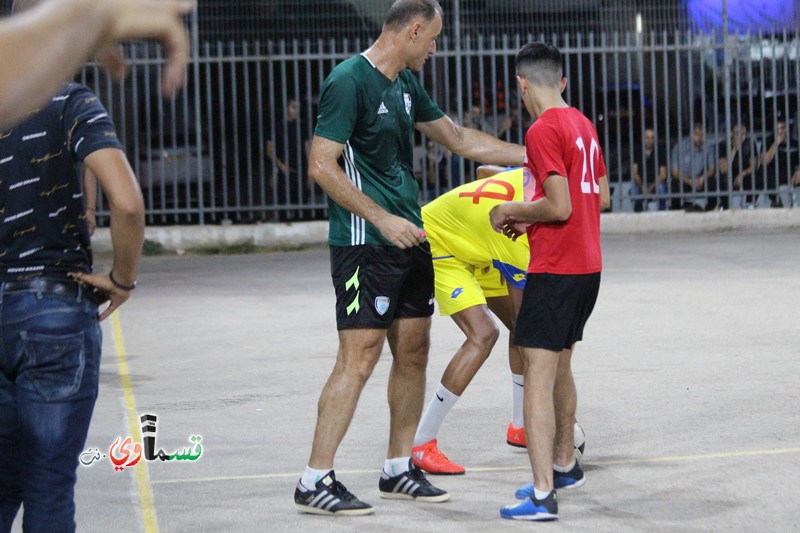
(127, 453)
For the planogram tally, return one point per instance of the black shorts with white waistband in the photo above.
(555, 309)
(377, 284)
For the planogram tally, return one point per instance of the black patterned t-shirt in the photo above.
(43, 230)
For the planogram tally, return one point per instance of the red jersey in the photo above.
(563, 141)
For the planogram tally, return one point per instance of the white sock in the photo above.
(517, 400)
(396, 466)
(312, 475)
(539, 494)
(443, 400)
(564, 469)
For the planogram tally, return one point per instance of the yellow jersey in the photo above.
(457, 226)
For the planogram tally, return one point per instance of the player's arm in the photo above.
(125, 202)
(472, 144)
(605, 193)
(554, 206)
(90, 194)
(486, 171)
(43, 47)
(324, 168)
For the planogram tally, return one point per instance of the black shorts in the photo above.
(377, 284)
(555, 309)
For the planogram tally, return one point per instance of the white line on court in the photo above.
(632, 460)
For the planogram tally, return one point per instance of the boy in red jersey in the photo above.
(566, 164)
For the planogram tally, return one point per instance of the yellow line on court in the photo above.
(719, 455)
(146, 506)
(633, 460)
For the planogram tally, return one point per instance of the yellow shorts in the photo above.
(458, 285)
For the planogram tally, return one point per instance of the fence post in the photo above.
(726, 79)
(198, 125)
(460, 82)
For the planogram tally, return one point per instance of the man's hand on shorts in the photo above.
(400, 231)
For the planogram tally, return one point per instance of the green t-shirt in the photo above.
(374, 118)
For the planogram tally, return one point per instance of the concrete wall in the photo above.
(182, 238)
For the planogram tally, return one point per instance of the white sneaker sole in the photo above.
(538, 517)
(343, 512)
(428, 499)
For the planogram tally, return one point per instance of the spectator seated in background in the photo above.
(649, 173)
(741, 160)
(779, 164)
(692, 163)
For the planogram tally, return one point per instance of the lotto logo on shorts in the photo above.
(382, 304)
(455, 294)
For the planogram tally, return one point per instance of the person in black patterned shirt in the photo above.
(50, 348)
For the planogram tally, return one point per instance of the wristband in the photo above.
(120, 285)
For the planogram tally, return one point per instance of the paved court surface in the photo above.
(687, 380)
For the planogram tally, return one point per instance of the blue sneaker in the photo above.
(533, 509)
(525, 491)
(561, 480)
(569, 480)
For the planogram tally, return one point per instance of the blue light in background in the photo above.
(746, 15)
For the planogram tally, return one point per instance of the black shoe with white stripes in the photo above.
(411, 485)
(329, 497)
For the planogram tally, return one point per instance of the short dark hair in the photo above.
(540, 63)
(404, 11)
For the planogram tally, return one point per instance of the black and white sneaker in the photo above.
(411, 485)
(329, 497)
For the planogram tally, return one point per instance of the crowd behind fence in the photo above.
(228, 149)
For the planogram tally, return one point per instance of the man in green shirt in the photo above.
(381, 265)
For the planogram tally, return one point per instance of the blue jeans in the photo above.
(638, 203)
(662, 190)
(49, 368)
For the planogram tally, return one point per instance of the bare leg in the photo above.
(515, 361)
(540, 424)
(482, 333)
(506, 308)
(565, 398)
(359, 350)
(409, 340)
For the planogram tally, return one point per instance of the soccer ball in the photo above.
(579, 441)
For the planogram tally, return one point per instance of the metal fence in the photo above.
(250, 20)
(223, 20)
(214, 153)
(217, 152)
